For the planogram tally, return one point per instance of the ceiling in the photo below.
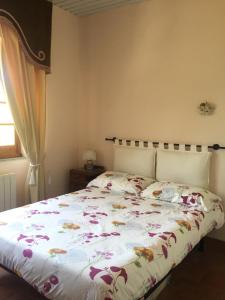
(88, 7)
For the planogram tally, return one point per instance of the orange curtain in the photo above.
(25, 88)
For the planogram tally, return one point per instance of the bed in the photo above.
(99, 243)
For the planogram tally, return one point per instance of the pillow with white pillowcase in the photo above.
(187, 167)
(180, 193)
(121, 182)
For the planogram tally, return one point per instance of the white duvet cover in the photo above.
(94, 244)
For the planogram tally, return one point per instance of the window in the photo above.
(9, 142)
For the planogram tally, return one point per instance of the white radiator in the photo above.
(7, 191)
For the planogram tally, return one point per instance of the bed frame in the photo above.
(156, 144)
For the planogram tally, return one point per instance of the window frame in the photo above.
(11, 151)
(8, 151)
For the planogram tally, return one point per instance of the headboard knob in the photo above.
(216, 146)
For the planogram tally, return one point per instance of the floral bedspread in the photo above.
(94, 244)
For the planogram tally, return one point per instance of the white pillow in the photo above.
(132, 160)
(188, 195)
(182, 166)
(121, 182)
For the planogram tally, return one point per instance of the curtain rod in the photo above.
(214, 146)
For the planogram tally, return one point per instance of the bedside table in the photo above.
(79, 178)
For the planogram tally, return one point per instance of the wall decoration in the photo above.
(206, 108)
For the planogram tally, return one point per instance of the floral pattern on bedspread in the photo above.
(94, 244)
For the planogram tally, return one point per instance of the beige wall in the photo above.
(148, 66)
(64, 110)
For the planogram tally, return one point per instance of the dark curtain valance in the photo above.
(32, 20)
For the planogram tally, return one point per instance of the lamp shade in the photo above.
(89, 155)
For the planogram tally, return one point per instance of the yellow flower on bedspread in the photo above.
(70, 226)
(63, 205)
(157, 193)
(118, 223)
(57, 251)
(145, 252)
(118, 206)
(185, 224)
(108, 174)
(156, 205)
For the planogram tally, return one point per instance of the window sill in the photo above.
(12, 158)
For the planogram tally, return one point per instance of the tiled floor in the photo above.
(201, 276)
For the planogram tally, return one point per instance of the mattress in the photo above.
(95, 244)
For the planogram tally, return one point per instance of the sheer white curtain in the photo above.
(25, 88)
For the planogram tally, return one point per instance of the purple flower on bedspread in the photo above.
(37, 212)
(94, 222)
(165, 251)
(51, 212)
(109, 276)
(32, 238)
(190, 247)
(154, 226)
(53, 280)
(90, 235)
(170, 235)
(108, 186)
(103, 254)
(47, 287)
(37, 227)
(115, 269)
(92, 207)
(166, 237)
(197, 224)
(192, 199)
(138, 214)
(28, 253)
(83, 198)
(94, 217)
(152, 281)
(152, 234)
(105, 234)
(21, 237)
(133, 199)
(94, 272)
(218, 204)
(115, 233)
(123, 274)
(107, 279)
(197, 216)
